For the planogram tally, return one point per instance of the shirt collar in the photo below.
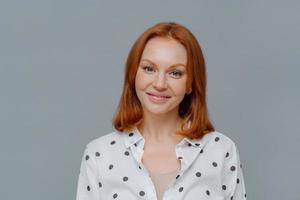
(133, 136)
(194, 142)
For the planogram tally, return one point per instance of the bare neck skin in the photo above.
(160, 129)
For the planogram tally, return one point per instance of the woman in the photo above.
(164, 145)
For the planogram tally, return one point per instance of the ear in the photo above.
(189, 91)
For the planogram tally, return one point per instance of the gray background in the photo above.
(61, 77)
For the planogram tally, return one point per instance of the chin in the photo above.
(158, 111)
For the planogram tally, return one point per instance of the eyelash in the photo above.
(176, 71)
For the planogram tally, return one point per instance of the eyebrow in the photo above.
(172, 66)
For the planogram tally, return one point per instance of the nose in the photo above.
(160, 82)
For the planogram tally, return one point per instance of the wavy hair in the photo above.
(192, 109)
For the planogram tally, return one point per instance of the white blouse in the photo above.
(111, 168)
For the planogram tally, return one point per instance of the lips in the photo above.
(158, 95)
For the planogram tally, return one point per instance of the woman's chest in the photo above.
(160, 160)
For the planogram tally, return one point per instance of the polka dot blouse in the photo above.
(111, 168)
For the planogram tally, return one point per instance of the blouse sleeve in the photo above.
(233, 181)
(87, 186)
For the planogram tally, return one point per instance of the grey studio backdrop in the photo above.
(61, 76)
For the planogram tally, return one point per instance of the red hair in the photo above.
(192, 109)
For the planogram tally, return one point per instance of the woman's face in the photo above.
(160, 82)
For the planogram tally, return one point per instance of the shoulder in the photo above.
(223, 137)
(113, 138)
(219, 141)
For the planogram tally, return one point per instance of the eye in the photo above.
(177, 73)
(148, 69)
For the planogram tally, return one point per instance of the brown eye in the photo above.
(177, 73)
(147, 68)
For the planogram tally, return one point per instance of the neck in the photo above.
(160, 128)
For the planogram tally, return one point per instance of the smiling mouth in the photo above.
(162, 97)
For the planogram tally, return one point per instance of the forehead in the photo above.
(164, 50)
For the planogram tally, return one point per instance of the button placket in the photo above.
(150, 193)
(153, 191)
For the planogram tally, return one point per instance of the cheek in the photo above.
(179, 87)
(138, 79)
(141, 80)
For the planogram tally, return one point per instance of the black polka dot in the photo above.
(240, 165)
(97, 154)
(135, 144)
(245, 195)
(115, 195)
(237, 180)
(88, 188)
(110, 166)
(214, 164)
(201, 151)
(142, 193)
(113, 142)
(140, 167)
(87, 157)
(232, 168)
(217, 139)
(180, 157)
(190, 144)
(197, 144)
(224, 187)
(180, 189)
(131, 134)
(126, 153)
(207, 192)
(198, 174)
(177, 176)
(100, 184)
(231, 197)
(227, 154)
(125, 178)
